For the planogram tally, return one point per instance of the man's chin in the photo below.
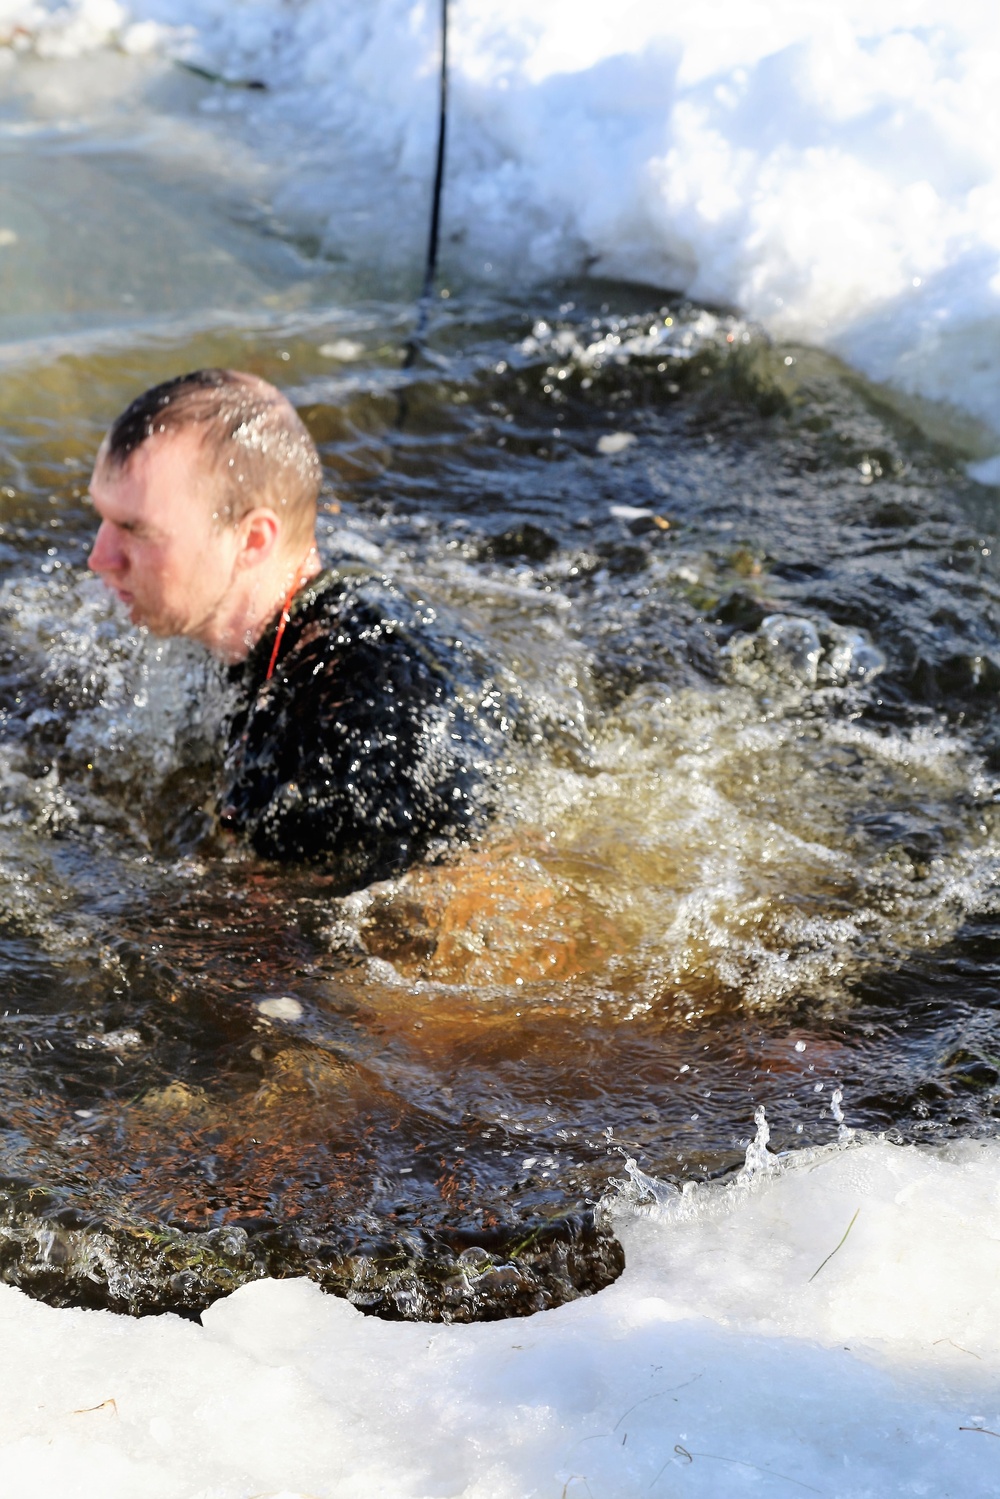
(140, 614)
(127, 601)
(163, 629)
(143, 619)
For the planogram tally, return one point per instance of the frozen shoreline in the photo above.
(832, 170)
(719, 1362)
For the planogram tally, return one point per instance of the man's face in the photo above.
(158, 547)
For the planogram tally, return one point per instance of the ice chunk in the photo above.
(281, 1007)
(615, 442)
(343, 349)
(629, 512)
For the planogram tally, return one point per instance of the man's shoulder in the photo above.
(363, 745)
(352, 633)
(314, 614)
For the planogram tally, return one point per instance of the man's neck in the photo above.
(251, 605)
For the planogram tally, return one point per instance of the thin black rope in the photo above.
(419, 334)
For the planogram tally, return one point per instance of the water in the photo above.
(746, 845)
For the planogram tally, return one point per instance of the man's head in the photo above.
(206, 487)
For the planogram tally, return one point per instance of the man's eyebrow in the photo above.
(134, 526)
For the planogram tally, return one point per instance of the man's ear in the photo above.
(258, 537)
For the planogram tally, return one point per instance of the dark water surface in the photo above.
(745, 851)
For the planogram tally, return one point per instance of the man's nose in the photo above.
(105, 554)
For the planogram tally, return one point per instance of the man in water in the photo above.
(351, 743)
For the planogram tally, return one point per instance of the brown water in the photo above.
(746, 846)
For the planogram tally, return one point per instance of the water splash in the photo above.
(845, 1134)
(759, 1161)
(677, 850)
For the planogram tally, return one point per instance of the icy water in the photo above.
(745, 850)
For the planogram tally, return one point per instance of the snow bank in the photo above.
(60, 31)
(833, 168)
(719, 1363)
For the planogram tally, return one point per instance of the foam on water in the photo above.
(716, 837)
(118, 711)
(833, 170)
(752, 1345)
(138, 705)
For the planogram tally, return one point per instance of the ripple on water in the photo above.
(744, 853)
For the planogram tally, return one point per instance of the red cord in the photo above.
(282, 622)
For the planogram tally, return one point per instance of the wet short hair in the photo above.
(254, 440)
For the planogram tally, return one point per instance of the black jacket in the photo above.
(370, 746)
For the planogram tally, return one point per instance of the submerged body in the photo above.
(359, 741)
(357, 749)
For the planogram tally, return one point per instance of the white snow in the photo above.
(68, 30)
(720, 1363)
(830, 167)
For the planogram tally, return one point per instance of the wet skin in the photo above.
(178, 569)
